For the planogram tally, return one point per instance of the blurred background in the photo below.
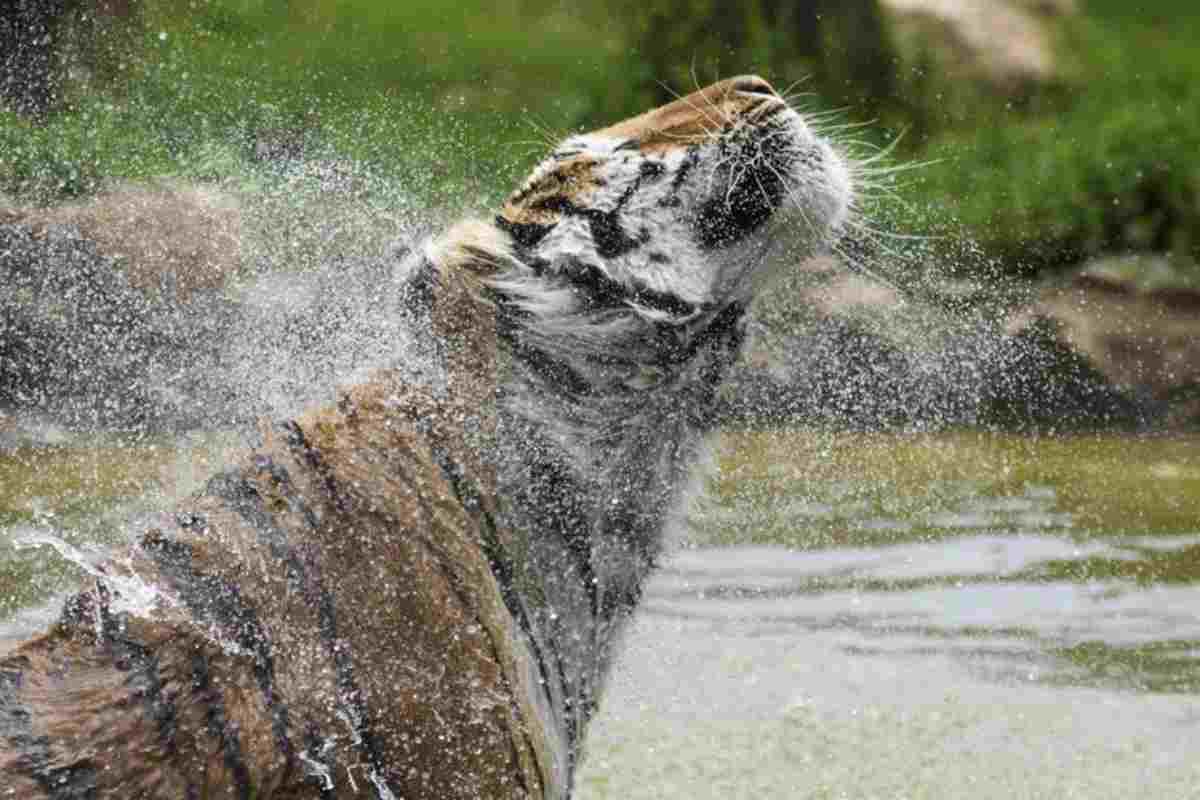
(1049, 130)
(1030, 261)
(887, 587)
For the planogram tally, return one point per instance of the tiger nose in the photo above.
(752, 84)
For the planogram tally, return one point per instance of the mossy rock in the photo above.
(1136, 320)
(84, 342)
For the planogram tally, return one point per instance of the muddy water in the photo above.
(938, 616)
(85, 498)
(952, 615)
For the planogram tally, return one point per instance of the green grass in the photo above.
(1112, 164)
(454, 102)
(445, 96)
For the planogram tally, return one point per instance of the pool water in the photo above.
(840, 615)
(951, 615)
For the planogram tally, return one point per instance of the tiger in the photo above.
(416, 591)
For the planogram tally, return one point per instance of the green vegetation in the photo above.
(455, 100)
(1109, 165)
(445, 97)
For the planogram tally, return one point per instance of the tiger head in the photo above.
(685, 207)
(621, 271)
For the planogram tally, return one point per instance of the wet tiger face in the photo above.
(686, 202)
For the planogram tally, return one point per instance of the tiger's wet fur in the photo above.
(415, 592)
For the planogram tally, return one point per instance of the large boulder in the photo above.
(1008, 44)
(841, 348)
(818, 355)
(81, 342)
(169, 305)
(116, 313)
(1136, 322)
(164, 236)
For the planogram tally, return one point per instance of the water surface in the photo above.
(942, 615)
(955, 615)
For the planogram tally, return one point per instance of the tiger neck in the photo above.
(602, 426)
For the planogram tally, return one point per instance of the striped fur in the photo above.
(414, 593)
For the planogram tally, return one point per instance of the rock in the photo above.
(1136, 321)
(1005, 43)
(837, 348)
(115, 313)
(842, 349)
(840, 374)
(173, 306)
(1039, 383)
(79, 343)
(167, 236)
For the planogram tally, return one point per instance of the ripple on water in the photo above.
(966, 617)
(949, 616)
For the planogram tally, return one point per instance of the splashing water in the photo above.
(130, 594)
(798, 611)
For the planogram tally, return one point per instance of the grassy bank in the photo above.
(1109, 165)
(813, 489)
(455, 101)
(446, 97)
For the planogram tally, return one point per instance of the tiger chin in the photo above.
(415, 592)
